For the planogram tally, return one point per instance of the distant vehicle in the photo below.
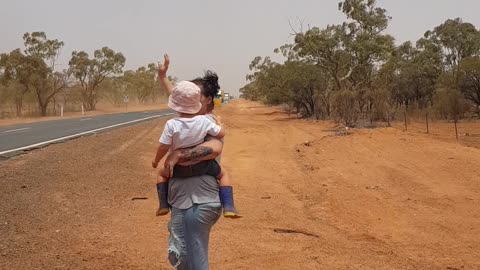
(222, 97)
(218, 100)
(226, 98)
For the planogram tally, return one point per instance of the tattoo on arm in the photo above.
(196, 153)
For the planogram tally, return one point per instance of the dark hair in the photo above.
(208, 84)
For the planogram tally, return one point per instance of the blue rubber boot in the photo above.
(162, 191)
(226, 198)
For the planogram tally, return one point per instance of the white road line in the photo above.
(18, 129)
(77, 135)
(85, 119)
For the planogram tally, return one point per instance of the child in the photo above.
(185, 131)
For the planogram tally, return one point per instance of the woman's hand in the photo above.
(171, 161)
(217, 119)
(163, 68)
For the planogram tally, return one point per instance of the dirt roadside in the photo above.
(375, 199)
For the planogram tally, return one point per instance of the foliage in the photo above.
(354, 69)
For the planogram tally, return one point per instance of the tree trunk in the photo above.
(54, 106)
(42, 105)
(43, 109)
(19, 105)
(91, 103)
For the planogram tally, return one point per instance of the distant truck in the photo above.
(226, 98)
(218, 100)
(222, 97)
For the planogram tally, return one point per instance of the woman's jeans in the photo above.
(189, 234)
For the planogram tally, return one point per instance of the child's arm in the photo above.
(220, 124)
(221, 134)
(165, 142)
(161, 152)
(162, 75)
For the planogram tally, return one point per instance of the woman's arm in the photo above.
(162, 75)
(205, 151)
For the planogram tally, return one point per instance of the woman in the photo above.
(195, 200)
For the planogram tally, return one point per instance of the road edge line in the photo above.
(78, 135)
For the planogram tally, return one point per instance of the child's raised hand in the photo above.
(154, 164)
(163, 68)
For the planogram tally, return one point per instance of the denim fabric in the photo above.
(189, 235)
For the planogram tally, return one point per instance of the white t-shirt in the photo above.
(186, 132)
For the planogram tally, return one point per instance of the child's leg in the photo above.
(162, 191)
(226, 195)
(224, 178)
(160, 177)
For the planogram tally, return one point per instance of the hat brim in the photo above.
(183, 109)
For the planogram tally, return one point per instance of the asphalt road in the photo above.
(15, 139)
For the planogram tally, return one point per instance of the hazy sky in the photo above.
(212, 34)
